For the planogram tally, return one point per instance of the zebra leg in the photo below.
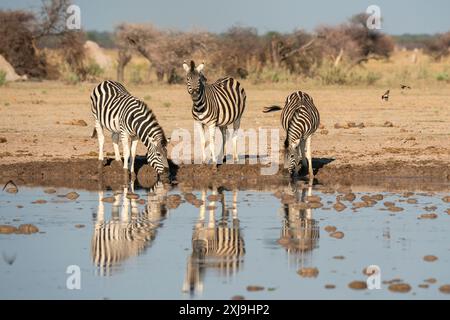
(101, 139)
(126, 149)
(236, 126)
(212, 143)
(115, 140)
(223, 130)
(309, 156)
(201, 129)
(302, 149)
(134, 143)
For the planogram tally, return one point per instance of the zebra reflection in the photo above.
(128, 232)
(216, 244)
(299, 232)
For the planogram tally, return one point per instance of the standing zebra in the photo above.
(215, 105)
(300, 119)
(115, 109)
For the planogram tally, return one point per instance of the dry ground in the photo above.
(35, 119)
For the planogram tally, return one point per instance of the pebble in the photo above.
(377, 197)
(308, 272)
(313, 199)
(430, 258)
(330, 286)
(430, 280)
(400, 287)
(237, 297)
(330, 228)
(357, 285)
(72, 195)
(79, 226)
(255, 288)
(446, 199)
(109, 199)
(428, 216)
(349, 197)
(445, 288)
(27, 229)
(213, 197)
(39, 201)
(133, 196)
(50, 190)
(395, 209)
(339, 206)
(337, 234)
(7, 229)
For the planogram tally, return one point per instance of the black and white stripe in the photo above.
(127, 232)
(215, 244)
(219, 104)
(115, 109)
(300, 232)
(300, 119)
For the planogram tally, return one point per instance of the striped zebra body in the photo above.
(219, 104)
(215, 245)
(300, 119)
(115, 109)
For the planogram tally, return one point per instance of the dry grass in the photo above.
(35, 116)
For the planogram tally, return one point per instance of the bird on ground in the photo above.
(385, 96)
(404, 86)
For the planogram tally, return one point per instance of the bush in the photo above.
(443, 76)
(330, 76)
(94, 70)
(372, 78)
(71, 77)
(2, 77)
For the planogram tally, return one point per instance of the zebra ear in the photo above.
(185, 66)
(201, 67)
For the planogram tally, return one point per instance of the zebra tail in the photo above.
(94, 133)
(271, 109)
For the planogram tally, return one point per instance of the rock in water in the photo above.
(147, 176)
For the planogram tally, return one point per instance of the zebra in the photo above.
(300, 232)
(300, 119)
(219, 104)
(215, 244)
(128, 232)
(115, 109)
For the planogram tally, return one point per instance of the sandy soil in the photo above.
(40, 121)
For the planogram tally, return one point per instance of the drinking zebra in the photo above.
(219, 104)
(128, 232)
(115, 109)
(215, 244)
(300, 119)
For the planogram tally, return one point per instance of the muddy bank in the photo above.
(92, 175)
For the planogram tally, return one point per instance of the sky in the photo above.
(399, 16)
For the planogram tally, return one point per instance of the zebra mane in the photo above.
(192, 65)
(161, 134)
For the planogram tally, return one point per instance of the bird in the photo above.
(403, 86)
(385, 96)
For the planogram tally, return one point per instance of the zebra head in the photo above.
(292, 158)
(157, 156)
(195, 79)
